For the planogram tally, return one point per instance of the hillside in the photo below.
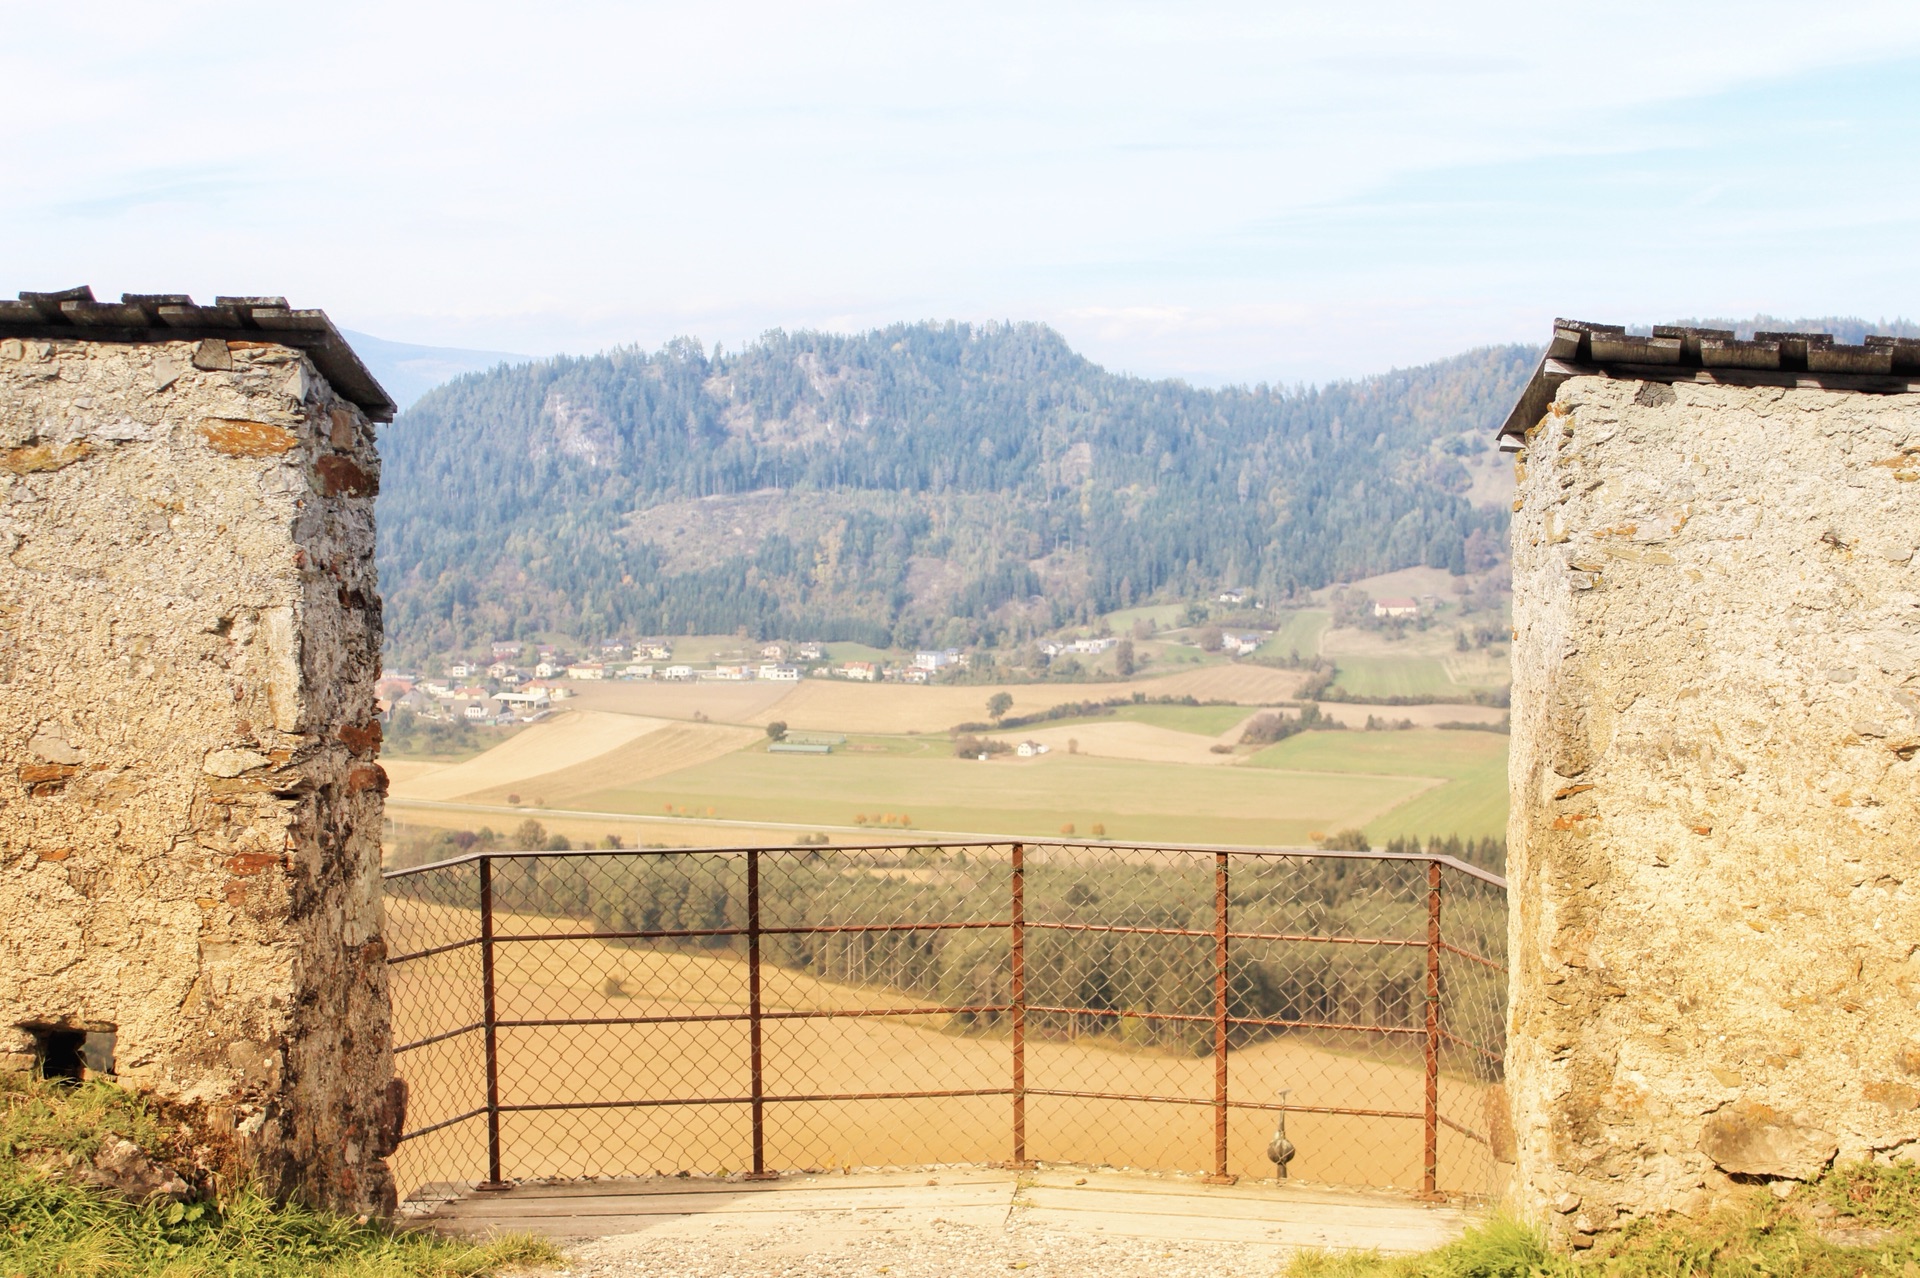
(921, 483)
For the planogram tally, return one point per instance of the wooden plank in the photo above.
(787, 1183)
(699, 1225)
(684, 1204)
(1250, 1190)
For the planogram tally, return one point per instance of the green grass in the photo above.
(53, 1226)
(1472, 803)
(1300, 632)
(1408, 676)
(1160, 616)
(840, 653)
(1754, 1235)
(1206, 721)
(1145, 801)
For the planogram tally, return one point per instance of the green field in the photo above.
(1133, 800)
(1206, 721)
(1160, 616)
(849, 651)
(1472, 803)
(1300, 633)
(1408, 676)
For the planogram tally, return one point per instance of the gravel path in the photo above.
(940, 1250)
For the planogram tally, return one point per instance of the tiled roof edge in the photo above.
(74, 315)
(1879, 365)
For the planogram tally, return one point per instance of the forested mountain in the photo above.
(921, 483)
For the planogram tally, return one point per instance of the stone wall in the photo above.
(1714, 843)
(189, 804)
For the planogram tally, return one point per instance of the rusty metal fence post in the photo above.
(1430, 1146)
(755, 1043)
(1220, 1007)
(489, 1027)
(1017, 1000)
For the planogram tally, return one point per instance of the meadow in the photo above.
(686, 763)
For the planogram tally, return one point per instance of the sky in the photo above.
(1223, 192)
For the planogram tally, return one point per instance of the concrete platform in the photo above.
(1259, 1222)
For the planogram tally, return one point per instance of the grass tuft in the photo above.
(52, 1227)
(1860, 1219)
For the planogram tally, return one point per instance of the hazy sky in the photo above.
(1225, 192)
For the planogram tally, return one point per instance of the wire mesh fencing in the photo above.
(763, 1009)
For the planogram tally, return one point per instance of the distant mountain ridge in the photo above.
(921, 483)
(408, 371)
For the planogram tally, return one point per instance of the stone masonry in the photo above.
(190, 806)
(1714, 842)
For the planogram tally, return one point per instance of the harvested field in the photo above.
(720, 702)
(838, 706)
(667, 747)
(399, 770)
(1424, 716)
(1031, 797)
(1121, 739)
(562, 741)
(571, 978)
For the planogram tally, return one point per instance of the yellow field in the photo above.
(667, 748)
(1120, 739)
(838, 1056)
(569, 738)
(720, 702)
(839, 706)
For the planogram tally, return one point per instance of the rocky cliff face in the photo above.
(189, 802)
(1716, 718)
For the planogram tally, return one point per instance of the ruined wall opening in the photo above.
(61, 1053)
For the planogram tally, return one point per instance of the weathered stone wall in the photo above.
(1715, 847)
(189, 804)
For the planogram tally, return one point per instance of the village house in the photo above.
(587, 670)
(728, 674)
(499, 670)
(916, 674)
(780, 674)
(462, 669)
(637, 672)
(525, 704)
(861, 671)
(1030, 749)
(1091, 647)
(468, 691)
(936, 660)
(654, 650)
(545, 670)
(677, 673)
(503, 649)
(614, 649)
(773, 651)
(1395, 607)
(1231, 597)
(812, 651)
(1241, 645)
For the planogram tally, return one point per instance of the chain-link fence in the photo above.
(762, 1009)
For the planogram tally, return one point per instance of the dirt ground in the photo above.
(821, 1058)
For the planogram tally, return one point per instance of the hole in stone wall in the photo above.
(61, 1053)
(72, 1054)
